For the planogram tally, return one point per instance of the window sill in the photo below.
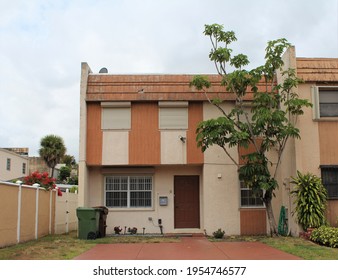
(326, 119)
(252, 207)
(121, 209)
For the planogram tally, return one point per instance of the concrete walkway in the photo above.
(189, 248)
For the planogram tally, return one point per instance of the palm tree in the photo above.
(52, 150)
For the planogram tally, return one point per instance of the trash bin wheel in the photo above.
(91, 235)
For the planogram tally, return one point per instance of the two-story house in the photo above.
(139, 158)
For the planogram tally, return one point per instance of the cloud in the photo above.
(42, 45)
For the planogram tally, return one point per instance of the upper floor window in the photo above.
(8, 164)
(173, 115)
(325, 102)
(330, 180)
(24, 168)
(116, 115)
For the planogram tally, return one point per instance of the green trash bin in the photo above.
(88, 219)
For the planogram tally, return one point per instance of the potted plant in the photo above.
(117, 230)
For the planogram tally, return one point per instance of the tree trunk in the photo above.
(271, 218)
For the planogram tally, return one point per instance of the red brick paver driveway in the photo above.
(190, 248)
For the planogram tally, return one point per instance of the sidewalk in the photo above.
(190, 248)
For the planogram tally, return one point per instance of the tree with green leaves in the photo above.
(269, 124)
(64, 174)
(52, 150)
(68, 160)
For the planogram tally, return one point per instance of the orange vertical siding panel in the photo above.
(94, 134)
(253, 221)
(194, 154)
(328, 135)
(245, 151)
(331, 212)
(144, 137)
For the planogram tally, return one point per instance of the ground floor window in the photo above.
(249, 198)
(330, 180)
(128, 191)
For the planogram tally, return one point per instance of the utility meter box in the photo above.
(163, 200)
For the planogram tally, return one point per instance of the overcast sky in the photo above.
(43, 42)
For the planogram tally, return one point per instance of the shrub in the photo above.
(74, 189)
(310, 200)
(64, 174)
(218, 233)
(325, 235)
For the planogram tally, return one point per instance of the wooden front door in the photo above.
(186, 202)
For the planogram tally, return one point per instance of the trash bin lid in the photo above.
(86, 212)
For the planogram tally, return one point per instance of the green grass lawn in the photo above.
(300, 247)
(68, 246)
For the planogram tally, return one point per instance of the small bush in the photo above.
(324, 235)
(218, 233)
(310, 199)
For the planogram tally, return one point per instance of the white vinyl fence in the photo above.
(65, 213)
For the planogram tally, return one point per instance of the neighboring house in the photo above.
(138, 154)
(13, 165)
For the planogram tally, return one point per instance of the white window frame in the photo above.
(178, 119)
(242, 188)
(315, 92)
(116, 115)
(129, 191)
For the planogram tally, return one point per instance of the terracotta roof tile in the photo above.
(152, 87)
(318, 69)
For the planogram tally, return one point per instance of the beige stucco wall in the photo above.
(215, 154)
(173, 150)
(83, 177)
(300, 154)
(221, 199)
(115, 147)
(163, 185)
(221, 190)
(308, 148)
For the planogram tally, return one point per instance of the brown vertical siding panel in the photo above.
(144, 137)
(94, 134)
(194, 154)
(253, 221)
(331, 212)
(328, 135)
(245, 151)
